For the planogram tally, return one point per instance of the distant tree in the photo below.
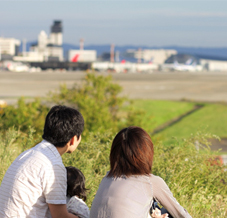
(99, 100)
(24, 115)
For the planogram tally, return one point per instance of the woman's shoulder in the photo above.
(158, 183)
(139, 178)
(156, 179)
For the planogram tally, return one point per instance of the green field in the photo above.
(210, 118)
(158, 112)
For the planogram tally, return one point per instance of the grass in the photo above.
(158, 112)
(211, 118)
(198, 186)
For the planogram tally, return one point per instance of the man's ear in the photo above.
(78, 139)
(72, 140)
(75, 139)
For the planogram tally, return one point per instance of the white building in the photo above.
(157, 56)
(214, 65)
(124, 67)
(46, 48)
(9, 46)
(82, 55)
(30, 57)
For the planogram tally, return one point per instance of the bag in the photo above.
(155, 206)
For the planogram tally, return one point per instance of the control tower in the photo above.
(56, 33)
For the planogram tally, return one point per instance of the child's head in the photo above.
(75, 183)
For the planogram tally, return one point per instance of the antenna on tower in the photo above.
(81, 44)
(112, 53)
(117, 56)
(139, 55)
(24, 46)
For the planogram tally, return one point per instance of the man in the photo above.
(35, 184)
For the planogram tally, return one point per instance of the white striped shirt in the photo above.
(35, 179)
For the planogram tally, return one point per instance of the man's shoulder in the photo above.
(47, 151)
(40, 157)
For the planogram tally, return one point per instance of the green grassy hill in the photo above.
(210, 118)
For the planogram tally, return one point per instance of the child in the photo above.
(76, 191)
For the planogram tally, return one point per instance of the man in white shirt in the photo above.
(35, 184)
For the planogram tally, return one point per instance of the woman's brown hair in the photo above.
(131, 153)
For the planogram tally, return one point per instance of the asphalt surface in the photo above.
(204, 87)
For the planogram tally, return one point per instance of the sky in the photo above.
(194, 23)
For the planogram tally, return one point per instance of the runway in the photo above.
(193, 86)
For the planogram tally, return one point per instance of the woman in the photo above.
(128, 189)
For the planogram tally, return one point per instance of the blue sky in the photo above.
(198, 23)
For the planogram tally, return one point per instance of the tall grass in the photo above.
(187, 167)
(12, 143)
(197, 185)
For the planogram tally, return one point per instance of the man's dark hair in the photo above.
(62, 123)
(131, 153)
(75, 183)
